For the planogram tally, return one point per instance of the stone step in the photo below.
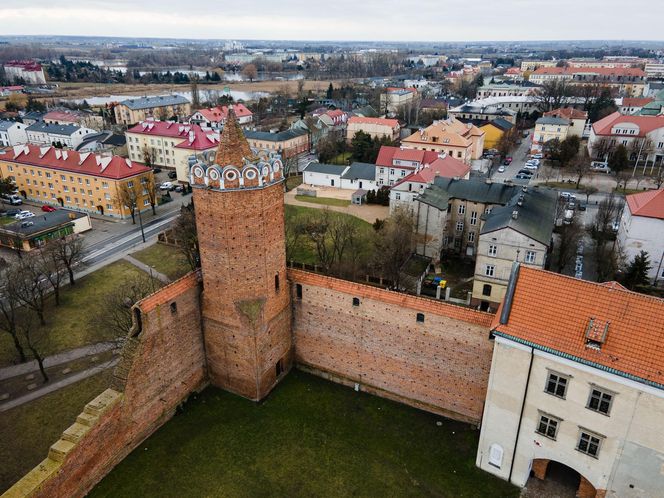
(75, 432)
(60, 449)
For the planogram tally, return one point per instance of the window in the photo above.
(104, 184)
(403, 172)
(146, 202)
(130, 184)
(490, 270)
(493, 250)
(276, 283)
(473, 218)
(65, 188)
(548, 426)
(471, 236)
(391, 172)
(68, 199)
(298, 291)
(557, 384)
(459, 226)
(589, 444)
(174, 307)
(356, 301)
(530, 256)
(486, 290)
(420, 318)
(397, 196)
(107, 197)
(462, 209)
(600, 401)
(496, 455)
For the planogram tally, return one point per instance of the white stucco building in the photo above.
(41, 133)
(12, 133)
(576, 383)
(642, 229)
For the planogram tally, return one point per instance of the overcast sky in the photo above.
(403, 20)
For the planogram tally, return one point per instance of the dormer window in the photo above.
(596, 333)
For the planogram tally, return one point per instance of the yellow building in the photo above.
(550, 128)
(494, 131)
(462, 141)
(163, 107)
(81, 181)
(289, 143)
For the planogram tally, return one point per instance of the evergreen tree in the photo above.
(636, 273)
(330, 91)
(618, 160)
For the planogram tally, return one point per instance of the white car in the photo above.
(537, 156)
(166, 186)
(530, 166)
(501, 169)
(23, 215)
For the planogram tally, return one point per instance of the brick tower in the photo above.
(239, 204)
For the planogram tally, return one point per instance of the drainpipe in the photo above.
(523, 406)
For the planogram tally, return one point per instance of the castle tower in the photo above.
(239, 204)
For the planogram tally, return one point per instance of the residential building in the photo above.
(519, 231)
(505, 89)
(27, 235)
(393, 99)
(41, 133)
(29, 72)
(79, 118)
(448, 214)
(104, 141)
(85, 182)
(550, 128)
(533, 65)
(484, 107)
(494, 131)
(353, 177)
(577, 119)
(131, 111)
(633, 105)
(32, 117)
(654, 70)
(642, 135)
(170, 144)
(289, 143)
(642, 229)
(396, 163)
(215, 117)
(626, 81)
(359, 176)
(656, 106)
(375, 127)
(459, 140)
(576, 383)
(407, 189)
(6, 91)
(477, 111)
(12, 133)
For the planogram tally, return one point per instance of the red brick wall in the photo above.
(158, 370)
(441, 365)
(246, 319)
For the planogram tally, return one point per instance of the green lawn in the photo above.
(323, 200)
(28, 431)
(310, 438)
(628, 191)
(165, 259)
(293, 182)
(342, 158)
(73, 323)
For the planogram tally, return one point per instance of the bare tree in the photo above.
(148, 156)
(150, 189)
(69, 250)
(30, 287)
(605, 250)
(250, 72)
(580, 166)
(28, 334)
(589, 190)
(9, 305)
(602, 148)
(184, 229)
(317, 228)
(115, 314)
(395, 243)
(659, 177)
(48, 262)
(570, 235)
(125, 196)
(552, 95)
(547, 173)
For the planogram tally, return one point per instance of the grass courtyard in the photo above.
(165, 259)
(309, 438)
(328, 201)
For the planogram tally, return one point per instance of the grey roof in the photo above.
(43, 222)
(502, 124)
(535, 215)
(159, 101)
(360, 171)
(550, 120)
(36, 115)
(5, 125)
(54, 129)
(443, 189)
(274, 137)
(330, 169)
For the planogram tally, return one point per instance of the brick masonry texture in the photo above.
(441, 365)
(246, 317)
(161, 364)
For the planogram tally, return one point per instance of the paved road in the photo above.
(519, 158)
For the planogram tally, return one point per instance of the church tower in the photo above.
(239, 203)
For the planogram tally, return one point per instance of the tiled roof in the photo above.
(550, 120)
(233, 146)
(360, 171)
(54, 129)
(168, 293)
(553, 312)
(113, 167)
(646, 124)
(328, 169)
(392, 123)
(62, 116)
(275, 137)
(649, 204)
(220, 113)
(192, 136)
(387, 154)
(567, 113)
(441, 134)
(150, 102)
(636, 101)
(447, 167)
(444, 189)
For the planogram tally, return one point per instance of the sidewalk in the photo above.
(366, 212)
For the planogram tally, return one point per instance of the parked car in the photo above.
(47, 209)
(537, 156)
(582, 206)
(172, 175)
(501, 169)
(506, 162)
(508, 159)
(522, 176)
(580, 247)
(615, 226)
(12, 212)
(26, 224)
(531, 166)
(526, 172)
(23, 214)
(178, 188)
(12, 199)
(166, 186)
(566, 195)
(156, 170)
(571, 204)
(600, 167)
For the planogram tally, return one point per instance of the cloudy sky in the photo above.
(402, 20)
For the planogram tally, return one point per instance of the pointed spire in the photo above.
(233, 146)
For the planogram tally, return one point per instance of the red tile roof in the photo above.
(192, 136)
(447, 167)
(113, 167)
(553, 312)
(567, 113)
(220, 113)
(392, 123)
(649, 204)
(169, 293)
(646, 124)
(387, 154)
(636, 101)
(61, 116)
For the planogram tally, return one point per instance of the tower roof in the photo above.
(233, 146)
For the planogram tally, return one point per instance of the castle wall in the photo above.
(162, 362)
(441, 365)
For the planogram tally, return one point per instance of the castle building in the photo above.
(239, 202)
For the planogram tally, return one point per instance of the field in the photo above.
(328, 201)
(165, 259)
(309, 438)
